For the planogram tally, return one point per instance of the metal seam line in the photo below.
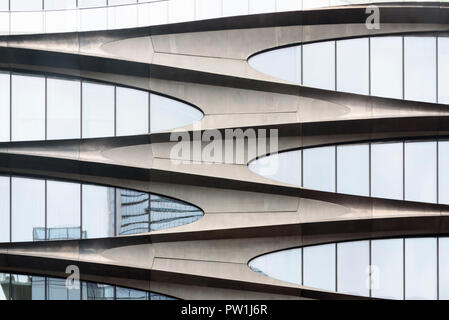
(369, 66)
(370, 289)
(403, 268)
(336, 267)
(45, 208)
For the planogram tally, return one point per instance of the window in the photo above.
(288, 5)
(4, 210)
(208, 9)
(63, 109)
(57, 290)
(121, 17)
(319, 168)
(386, 170)
(420, 68)
(181, 10)
(133, 212)
(26, 5)
(59, 4)
(130, 294)
(28, 110)
(4, 106)
(353, 262)
(98, 110)
(443, 260)
(443, 70)
(27, 22)
(319, 65)
(61, 21)
(93, 19)
(353, 66)
(319, 267)
(25, 287)
(443, 172)
(28, 195)
(386, 67)
(132, 112)
(98, 211)
(153, 13)
(353, 169)
(91, 3)
(262, 6)
(96, 291)
(235, 8)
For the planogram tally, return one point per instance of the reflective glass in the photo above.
(4, 22)
(319, 65)
(63, 109)
(98, 110)
(353, 66)
(352, 268)
(61, 21)
(387, 259)
(93, 19)
(98, 211)
(158, 296)
(420, 68)
(283, 167)
(4, 286)
(26, 5)
(283, 265)
(319, 168)
(121, 17)
(96, 291)
(309, 4)
(443, 260)
(132, 112)
(25, 287)
(387, 170)
(208, 9)
(63, 210)
(181, 10)
(386, 67)
(443, 172)
(28, 195)
(4, 6)
(235, 8)
(262, 6)
(59, 4)
(319, 267)
(421, 171)
(443, 70)
(421, 268)
(284, 64)
(133, 212)
(120, 2)
(153, 13)
(4, 106)
(57, 290)
(169, 114)
(288, 5)
(130, 294)
(353, 169)
(91, 3)
(4, 210)
(27, 22)
(28, 110)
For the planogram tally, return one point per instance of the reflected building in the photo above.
(114, 163)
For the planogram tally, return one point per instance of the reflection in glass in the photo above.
(261, 6)
(181, 10)
(353, 169)
(319, 65)
(4, 286)
(319, 168)
(98, 211)
(4, 209)
(386, 67)
(443, 172)
(98, 110)
(284, 64)
(57, 290)
(27, 22)
(421, 171)
(4, 106)
(61, 21)
(96, 291)
(443, 260)
(208, 9)
(386, 170)
(91, 3)
(284, 167)
(388, 269)
(93, 19)
(353, 261)
(63, 109)
(59, 4)
(235, 8)
(28, 110)
(63, 210)
(319, 267)
(26, 5)
(420, 68)
(353, 66)
(443, 70)
(28, 195)
(421, 268)
(133, 212)
(130, 294)
(282, 265)
(27, 287)
(132, 112)
(169, 213)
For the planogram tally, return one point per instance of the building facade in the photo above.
(224, 149)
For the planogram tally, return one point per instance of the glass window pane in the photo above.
(96, 291)
(421, 268)
(169, 114)
(309, 4)
(63, 109)
(319, 168)
(283, 265)
(283, 167)
(443, 260)
(28, 110)
(4, 106)
(284, 64)
(208, 9)
(132, 112)
(443, 70)
(443, 172)
(387, 260)
(133, 212)
(352, 268)
(28, 209)
(25, 287)
(26, 5)
(153, 13)
(59, 4)
(353, 169)
(4, 23)
(4, 6)
(288, 5)
(57, 290)
(98, 110)
(63, 210)
(319, 267)
(168, 213)
(61, 21)
(120, 2)
(262, 6)
(319, 65)
(4, 286)
(93, 19)
(4, 210)
(98, 211)
(130, 294)
(235, 8)
(91, 3)
(181, 10)
(387, 170)
(386, 67)
(27, 22)
(420, 68)
(421, 171)
(121, 17)
(353, 66)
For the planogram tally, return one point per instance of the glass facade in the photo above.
(400, 268)
(60, 108)
(415, 170)
(39, 209)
